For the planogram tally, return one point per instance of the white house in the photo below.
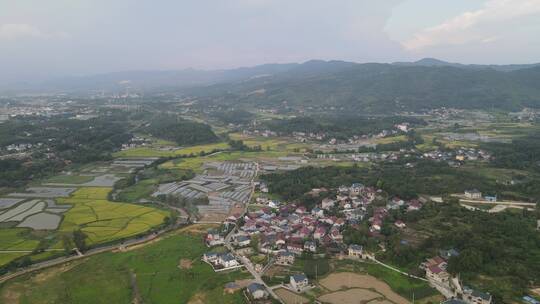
(473, 194)
(227, 260)
(285, 258)
(355, 250)
(327, 203)
(299, 282)
(310, 246)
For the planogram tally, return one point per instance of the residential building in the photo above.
(472, 296)
(437, 274)
(285, 258)
(400, 224)
(473, 194)
(355, 251)
(299, 282)
(310, 246)
(327, 203)
(257, 291)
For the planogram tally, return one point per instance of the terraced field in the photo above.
(103, 220)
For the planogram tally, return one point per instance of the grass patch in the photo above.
(157, 152)
(105, 278)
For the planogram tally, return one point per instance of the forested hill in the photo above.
(381, 88)
(181, 131)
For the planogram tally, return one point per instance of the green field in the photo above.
(278, 144)
(70, 179)
(157, 152)
(103, 220)
(106, 278)
(195, 163)
(15, 239)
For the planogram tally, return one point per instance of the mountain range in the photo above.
(372, 87)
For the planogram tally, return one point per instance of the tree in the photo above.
(79, 238)
(255, 243)
(67, 243)
(469, 260)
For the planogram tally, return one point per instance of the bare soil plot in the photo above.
(106, 180)
(185, 264)
(342, 280)
(378, 301)
(351, 296)
(290, 297)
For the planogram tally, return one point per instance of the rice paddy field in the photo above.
(122, 277)
(103, 220)
(15, 239)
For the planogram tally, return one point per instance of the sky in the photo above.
(41, 39)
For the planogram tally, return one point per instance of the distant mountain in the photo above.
(147, 80)
(370, 87)
(380, 88)
(433, 62)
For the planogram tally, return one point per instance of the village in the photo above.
(284, 233)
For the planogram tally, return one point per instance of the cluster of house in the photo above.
(361, 157)
(22, 147)
(292, 229)
(263, 133)
(136, 141)
(438, 276)
(475, 194)
(297, 282)
(380, 213)
(458, 157)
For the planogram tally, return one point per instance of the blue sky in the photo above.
(39, 39)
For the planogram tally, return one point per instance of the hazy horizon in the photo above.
(63, 38)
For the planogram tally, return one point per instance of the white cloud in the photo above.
(474, 26)
(22, 30)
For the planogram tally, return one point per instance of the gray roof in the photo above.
(480, 294)
(454, 301)
(355, 247)
(254, 287)
(227, 257)
(299, 277)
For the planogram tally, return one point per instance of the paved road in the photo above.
(244, 260)
(462, 198)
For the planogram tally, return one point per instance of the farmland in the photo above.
(105, 278)
(103, 220)
(170, 152)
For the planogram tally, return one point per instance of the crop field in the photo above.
(104, 220)
(158, 152)
(195, 163)
(278, 144)
(14, 239)
(111, 277)
(70, 179)
(391, 139)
